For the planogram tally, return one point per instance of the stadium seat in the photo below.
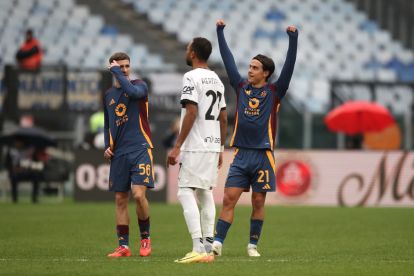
(67, 32)
(328, 29)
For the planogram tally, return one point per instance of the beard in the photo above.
(188, 62)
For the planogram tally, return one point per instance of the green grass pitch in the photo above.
(73, 239)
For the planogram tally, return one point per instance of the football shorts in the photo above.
(135, 168)
(198, 169)
(252, 168)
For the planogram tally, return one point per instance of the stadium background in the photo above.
(348, 50)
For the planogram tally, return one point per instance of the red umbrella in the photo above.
(355, 117)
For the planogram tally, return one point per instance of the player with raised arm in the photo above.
(201, 143)
(253, 137)
(129, 149)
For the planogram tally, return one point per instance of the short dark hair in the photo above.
(119, 56)
(201, 47)
(267, 62)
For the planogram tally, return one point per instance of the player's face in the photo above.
(125, 67)
(256, 75)
(188, 54)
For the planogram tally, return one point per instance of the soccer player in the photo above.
(253, 138)
(201, 140)
(128, 147)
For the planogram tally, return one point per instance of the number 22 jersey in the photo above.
(204, 88)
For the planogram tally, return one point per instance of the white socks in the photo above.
(208, 212)
(190, 210)
(198, 225)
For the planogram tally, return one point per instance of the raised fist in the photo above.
(291, 29)
(220, 22)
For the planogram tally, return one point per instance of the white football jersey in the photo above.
(203, 87)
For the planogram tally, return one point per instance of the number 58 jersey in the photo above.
(204, 88)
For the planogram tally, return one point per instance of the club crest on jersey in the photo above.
(254, 103)
(263, 93)
(253, 109)
(120, 110)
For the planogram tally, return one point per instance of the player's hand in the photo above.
(220, 162)
(172, 156)
(220, 23)
(108, 154)
(113, 64)
(291, 30)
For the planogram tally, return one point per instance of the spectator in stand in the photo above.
(30, 55)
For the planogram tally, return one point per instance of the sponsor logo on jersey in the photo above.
(211, 139)
(188, 90)
(111, 102)
(253, 109)
(248, 92)
(120, 111)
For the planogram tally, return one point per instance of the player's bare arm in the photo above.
(188, 121)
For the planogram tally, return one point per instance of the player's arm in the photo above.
(108, 152)
(134, 91)
(227, 56)
(283, 81)
(223, 133)
(188, 121)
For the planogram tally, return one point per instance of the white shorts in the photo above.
(198, 170)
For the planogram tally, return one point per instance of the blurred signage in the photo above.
(92, 175)
(84, 90)
(397, 97)
(331, 178)
(44, 90)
